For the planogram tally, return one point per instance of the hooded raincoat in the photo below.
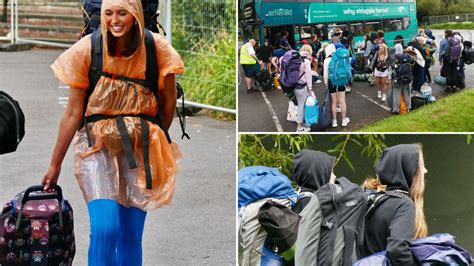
(312, 169)
(391, 226)
(102, 171)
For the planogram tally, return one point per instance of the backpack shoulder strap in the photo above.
(96, 61)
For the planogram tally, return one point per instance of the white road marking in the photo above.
(371, 100)
(272, 112)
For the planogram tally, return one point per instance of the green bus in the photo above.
(260, 19)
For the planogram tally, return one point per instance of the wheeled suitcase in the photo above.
(37, 228)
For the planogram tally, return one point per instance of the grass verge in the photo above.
(452, 26)
(451, 114)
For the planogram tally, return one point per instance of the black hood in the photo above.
(398, 165)
(312, 169)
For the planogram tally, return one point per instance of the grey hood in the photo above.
(312, 169)
(397, 166)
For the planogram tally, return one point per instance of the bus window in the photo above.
(406, 23)
(394, 1)
(357, 28)
(407, 1)
(321, 30)
(372, 26)
(335, 1)
(333, 26)
(376, 1)
(392, 25)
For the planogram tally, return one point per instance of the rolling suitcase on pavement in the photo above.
(36, 228)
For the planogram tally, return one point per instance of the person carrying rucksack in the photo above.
(331, 210)
(449, 55)
(418, 69)
(395, 217)
(403, 77)
(337, 74)
(125, 162)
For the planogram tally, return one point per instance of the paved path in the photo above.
(197, 229)
(266, 112)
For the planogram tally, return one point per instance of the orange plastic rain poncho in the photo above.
(102, 170)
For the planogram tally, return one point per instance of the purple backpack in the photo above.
(290, 64)
(454, 49)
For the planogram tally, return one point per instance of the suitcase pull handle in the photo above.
(57, 194)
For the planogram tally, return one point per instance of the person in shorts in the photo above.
(248, 59)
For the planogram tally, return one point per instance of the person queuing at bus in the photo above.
(248, 59)
(381, 37)
(418, 69)
(461, 75)
(370, 47)
(264, 54)
(399, 219)
(448, 68)
(306, 88)
(399, 45)
(321, 56)
(338, 94)
(381, 64)
(315, 45)
(336, 36)
(283, 42)
(346, 41)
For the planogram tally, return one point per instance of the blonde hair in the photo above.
(417, 191)
(385, 50)
(306, 48)
(416, 194)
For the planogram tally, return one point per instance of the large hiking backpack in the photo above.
(340, 67)
(403, 68)
(290, 75)
(468, 53)
(325, 116)
(37, 228)
(331, 225)
(454, 50)
(360, 63)
(257, 185)
(12, 123)
(91, 15)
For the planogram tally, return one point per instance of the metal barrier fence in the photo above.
(447, 19)
(203, 33)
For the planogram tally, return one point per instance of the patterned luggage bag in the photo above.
(36, 230)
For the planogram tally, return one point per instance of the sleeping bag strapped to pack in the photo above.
(331, 226)
(91, 15)
(256, 186)
(340, 67)
(290, 75)
(12, 123)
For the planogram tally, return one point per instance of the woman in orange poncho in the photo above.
(118, 195)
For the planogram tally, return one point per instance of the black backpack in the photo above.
(91, 15)
(331, 227)
(12, 123)
(468, 53)
(403, 68)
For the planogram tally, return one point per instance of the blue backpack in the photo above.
(340, 67)
(259, 182)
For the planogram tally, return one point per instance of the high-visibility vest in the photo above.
(245, 57)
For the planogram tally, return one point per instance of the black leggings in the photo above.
(450, 72)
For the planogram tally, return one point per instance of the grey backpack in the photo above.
(251, 234)
(331, 226)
